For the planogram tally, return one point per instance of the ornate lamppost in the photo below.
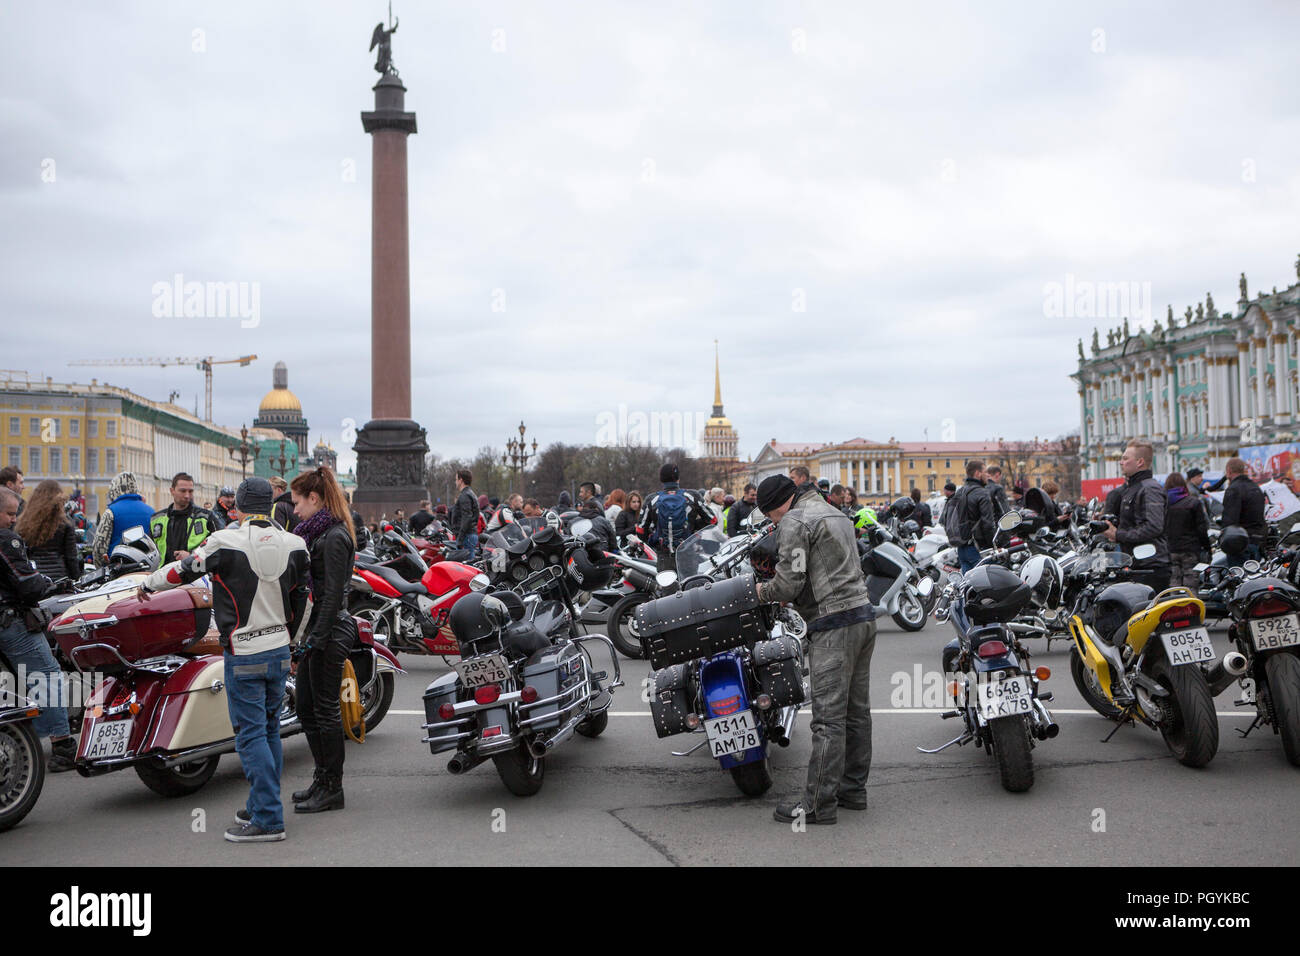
(281, 464)
(517, 454)
(246, 451)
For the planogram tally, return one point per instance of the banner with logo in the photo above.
(1271, 461)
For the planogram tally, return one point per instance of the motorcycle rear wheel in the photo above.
(1013, 750)
(1085, 681)
(1283, 673)
(911, 612)
(753, 779)
(520, 771)
(594, 725)
(1192, 736)
(178, 781)
(22, 772)
(620, 615)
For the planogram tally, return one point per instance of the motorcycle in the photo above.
(161, 708)
(896, 586)
(725, 666)
(989, 674)
(1266, 631)
(1138, 656)
(410, 616)
(609, 610)
(525, 683)
(22, 761)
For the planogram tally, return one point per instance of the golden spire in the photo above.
(717, 383)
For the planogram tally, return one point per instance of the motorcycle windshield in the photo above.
(511, 538)
(693, 556)
(1111, 560)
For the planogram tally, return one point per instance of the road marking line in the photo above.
(875, 712)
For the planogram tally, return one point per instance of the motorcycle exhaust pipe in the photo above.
(1044, 726)
(538, 747)
(1222, 674)
(464, 763)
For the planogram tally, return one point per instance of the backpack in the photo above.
(672, 518)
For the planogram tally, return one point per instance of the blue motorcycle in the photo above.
(725, 665)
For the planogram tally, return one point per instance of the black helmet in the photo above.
(587, 573)
(1234, 540)
(824, 484)
(466, 618)
(1043, 575)
(1116, 604)
(993, 594)
(903, 507)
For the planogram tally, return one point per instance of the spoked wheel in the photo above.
(910, 615)
(520, 771)
(22, 772)
(178, 781)
(620, 617)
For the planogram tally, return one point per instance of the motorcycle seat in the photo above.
(399, 583)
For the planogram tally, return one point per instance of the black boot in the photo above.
(63, 755)
(328, 797)
(318, 776)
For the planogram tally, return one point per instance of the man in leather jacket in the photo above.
(1245, 504)
(464, 513)
(1142, 511)
(818, 571)
(23, 645)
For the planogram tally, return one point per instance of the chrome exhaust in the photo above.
(1045, 728)
(538, 747)
(1222, 674)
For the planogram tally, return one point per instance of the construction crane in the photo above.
(204, 365)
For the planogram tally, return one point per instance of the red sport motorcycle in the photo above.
(159, 704)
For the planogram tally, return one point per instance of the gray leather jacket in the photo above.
(818, 570)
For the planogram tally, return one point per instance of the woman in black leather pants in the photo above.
(325, 523)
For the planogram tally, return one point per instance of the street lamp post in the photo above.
(280, 464)
(246, 451)
(517, 455)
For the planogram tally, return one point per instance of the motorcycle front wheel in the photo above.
(1192, 731)
(179, 781)
(620, 616)
(376, 701)
(1013, 750)
(1086, 681)
(1283, 673)
(520, 771)
(22, 772)
(910, 615)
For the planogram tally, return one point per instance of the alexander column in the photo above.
(391, 446)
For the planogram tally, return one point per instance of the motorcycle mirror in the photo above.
(495, 612)
(666, 579)
(580, 527)
(1200, 567)
(1144, 551)
(1009, 520)
(1092, 503)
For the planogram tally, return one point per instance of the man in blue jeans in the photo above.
(24, 647)
(260, 602)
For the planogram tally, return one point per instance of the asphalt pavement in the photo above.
(623, 799)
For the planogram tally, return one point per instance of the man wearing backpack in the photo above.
(976, 523)
(669, 517)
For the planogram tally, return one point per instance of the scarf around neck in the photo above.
(315, 526)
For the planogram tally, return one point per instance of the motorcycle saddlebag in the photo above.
(670, 702)
(551, 671)
(776, 665)
(699, 622)
(441, 691)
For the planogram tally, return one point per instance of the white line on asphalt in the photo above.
(875, 712)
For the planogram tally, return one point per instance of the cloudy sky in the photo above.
(864, 203)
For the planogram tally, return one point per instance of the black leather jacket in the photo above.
(1244, 504)
(21, 585)
(332, 556)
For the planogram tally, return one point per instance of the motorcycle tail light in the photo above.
(726, 706)
(446, 711)
(528, 695)
(487, 694)
(1042, 673)
(1180, 615)
(991, 649)
(1270, 607)
(692, 721)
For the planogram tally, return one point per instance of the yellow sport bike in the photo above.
(1138, 656)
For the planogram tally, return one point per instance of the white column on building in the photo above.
(1127, 381)
(1211, 393)
(872, 489)
(898, 476)
(1260, 356)
(1243, 382)
(1282, 408)
(1142, 381)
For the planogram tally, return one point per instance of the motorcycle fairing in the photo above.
(1098, 656)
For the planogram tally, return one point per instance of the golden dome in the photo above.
(280, 400)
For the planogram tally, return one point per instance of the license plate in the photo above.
(731, 735)
(1190, 646)
(1269, 633)
(110, 739)
(480, 671)
(1006, 697)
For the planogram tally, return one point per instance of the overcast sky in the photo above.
(630, 181)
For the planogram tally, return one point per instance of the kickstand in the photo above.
(1253, 724)
(959, 741)
(1118, 724)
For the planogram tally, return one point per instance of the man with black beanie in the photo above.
(670, 516)
(818, 571)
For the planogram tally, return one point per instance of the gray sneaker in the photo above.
(251, 833)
